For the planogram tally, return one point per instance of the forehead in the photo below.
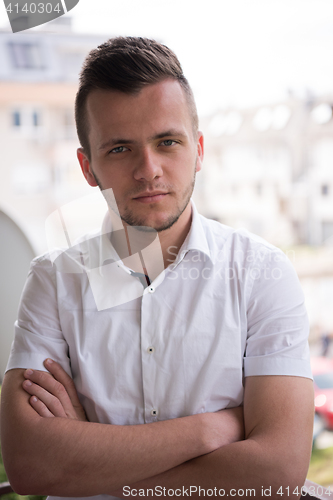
(157, 107)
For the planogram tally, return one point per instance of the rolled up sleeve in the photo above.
(278, 327)
(38, 333)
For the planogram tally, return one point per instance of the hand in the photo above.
(53, 394)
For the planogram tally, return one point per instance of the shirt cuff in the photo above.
(33, 360)
(263, 365)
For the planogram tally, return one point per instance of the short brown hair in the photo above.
(127, 64)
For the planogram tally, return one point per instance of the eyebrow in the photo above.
(119, 140)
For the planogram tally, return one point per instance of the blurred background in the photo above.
(262, 75)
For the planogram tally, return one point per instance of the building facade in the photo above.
(270, 169)
(38, 81)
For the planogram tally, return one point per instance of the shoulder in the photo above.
(42, 264)
(238, 245)
(70, 260)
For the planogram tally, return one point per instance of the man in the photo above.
(223, 327)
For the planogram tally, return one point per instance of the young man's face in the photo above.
(143, 147)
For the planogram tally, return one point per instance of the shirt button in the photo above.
(154, 412)
(151, 349)
(151, 289)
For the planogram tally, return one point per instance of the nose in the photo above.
(148, 165)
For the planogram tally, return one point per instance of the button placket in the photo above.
(148, 358)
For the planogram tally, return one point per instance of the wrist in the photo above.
(234, 424)
(210, 427)
(222, 428)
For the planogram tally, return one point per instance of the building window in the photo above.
(36, 119)
(16, 119)
(25, 55)
(325, 190)
(72, 63)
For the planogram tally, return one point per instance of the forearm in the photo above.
(71, 458)
(74, 458)
(242, 466)
(276, 451)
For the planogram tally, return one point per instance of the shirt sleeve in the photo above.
(277, 322)
(38, 333)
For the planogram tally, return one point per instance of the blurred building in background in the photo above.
(270, 169)
(38, 82)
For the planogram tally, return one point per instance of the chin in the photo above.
(150, 224)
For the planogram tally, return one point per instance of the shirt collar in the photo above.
(107, 251)
(195, 240)
(95, 249)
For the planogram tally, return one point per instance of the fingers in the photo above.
(40, 407)
(45, 403)
(51, 392)
(61, 376)
(56, 390)
(67, 382)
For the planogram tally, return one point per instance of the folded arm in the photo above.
(96, 458)
(278, 416)
(70, 457)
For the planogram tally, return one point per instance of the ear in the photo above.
(200, 151)
(86, 168)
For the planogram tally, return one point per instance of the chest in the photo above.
(176, 350)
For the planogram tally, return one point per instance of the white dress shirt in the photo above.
(228, 307)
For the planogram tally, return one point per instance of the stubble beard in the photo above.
(131, 219)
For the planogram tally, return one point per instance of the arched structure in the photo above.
(16, 253)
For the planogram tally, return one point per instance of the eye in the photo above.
(119, 149)
(168, 142)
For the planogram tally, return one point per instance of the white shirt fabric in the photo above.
(229, 306)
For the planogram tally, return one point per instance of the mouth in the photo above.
(151, 197)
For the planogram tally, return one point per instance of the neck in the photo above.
(130, 241)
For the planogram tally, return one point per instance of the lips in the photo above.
(151, 196)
